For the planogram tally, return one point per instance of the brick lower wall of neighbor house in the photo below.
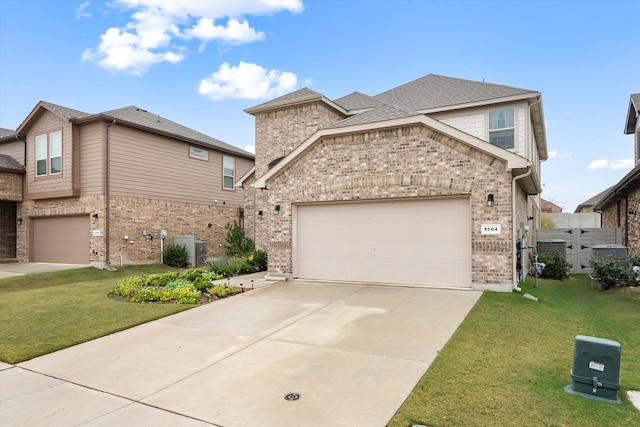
(130, 217)
(616, 214)
(8, 229)
(11, 186)
(412, 161)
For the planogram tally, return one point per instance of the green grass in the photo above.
(509, 361)
(45, 312)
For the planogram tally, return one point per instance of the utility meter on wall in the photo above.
(163, 234)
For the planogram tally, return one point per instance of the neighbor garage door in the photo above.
(62, 239)
(418, 242)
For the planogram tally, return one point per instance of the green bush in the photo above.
(221, 291)
(613, 272)
(175, 255)
(556, 267)
(258, 258)
(237, 243)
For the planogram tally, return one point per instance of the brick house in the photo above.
(549, 207)
(434, 182)
(620, 205)
(98, 188)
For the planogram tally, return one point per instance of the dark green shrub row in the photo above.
(614, 272)
(182, 288)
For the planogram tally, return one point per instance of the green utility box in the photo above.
(596, 369)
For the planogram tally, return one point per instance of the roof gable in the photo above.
(632, 114)
(434, 91)
(592, 201)
(63, 113)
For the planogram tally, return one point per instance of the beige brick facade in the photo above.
(11, 186)
(395, 163)
(625, 213)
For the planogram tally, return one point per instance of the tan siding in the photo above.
(14, 149)
(90, 147)
(156, 167)
(47, 123)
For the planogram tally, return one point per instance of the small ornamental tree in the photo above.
(237, 243)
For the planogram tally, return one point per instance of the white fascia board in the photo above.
(514, 161)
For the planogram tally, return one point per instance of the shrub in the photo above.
(237, 243)
(612, 271)
(221, 291)
(175, 255)
(556, 267)
(258, 258)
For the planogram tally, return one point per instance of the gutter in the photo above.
(108, 197)
(513, 225)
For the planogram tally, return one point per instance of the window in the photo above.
(228, 172)
(198, 153)
(501, 128)
(49, 154)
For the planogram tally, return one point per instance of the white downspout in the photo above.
(513, 225)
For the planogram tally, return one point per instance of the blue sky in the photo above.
(200, 63)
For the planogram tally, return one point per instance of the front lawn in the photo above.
(42, 313)
(508, 363)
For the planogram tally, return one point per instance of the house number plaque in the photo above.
(490, 228)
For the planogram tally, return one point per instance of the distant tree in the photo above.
(546, 221)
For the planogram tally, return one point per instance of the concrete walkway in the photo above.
(22, 268)
(292, 353)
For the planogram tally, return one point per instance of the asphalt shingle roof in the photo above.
(144, 118)
(378, 114)
(6, 132)
(302, 93)
(592, 201)
(357, 101)
(68, 113)
(434, 91)
(8, 162)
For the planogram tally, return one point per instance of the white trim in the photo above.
(514, 161)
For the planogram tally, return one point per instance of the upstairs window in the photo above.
(198, 153)
(501, 128)
(49, 154)
(228, 172)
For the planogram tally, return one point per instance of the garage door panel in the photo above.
(61, 239)
(426, 241)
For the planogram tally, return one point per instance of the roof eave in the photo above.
(618, 189)
(244, 177)
(632, 118)
(512, 160)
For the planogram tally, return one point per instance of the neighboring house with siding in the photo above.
(98, 188)
(620, 205)
(434, 182)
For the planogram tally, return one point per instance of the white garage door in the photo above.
(62, 239)
(419, 242)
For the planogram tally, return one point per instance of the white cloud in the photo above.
(250, 148)
(246, 81)
(158, 30)
(81, 11)
(611, 164)
(554, 154)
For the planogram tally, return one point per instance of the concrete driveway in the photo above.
(22, 268)
(292, 353)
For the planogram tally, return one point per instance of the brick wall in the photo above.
(617, 214)
(279, 132)
(11, 186)
(8, 229)
(130, 217)
(412, 161)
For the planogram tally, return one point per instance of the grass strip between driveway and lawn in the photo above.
(44, 312)
(509, 361)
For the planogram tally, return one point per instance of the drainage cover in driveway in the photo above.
(292, 396)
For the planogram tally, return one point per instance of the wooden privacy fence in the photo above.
(579, 243)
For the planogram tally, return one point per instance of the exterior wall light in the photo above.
(276, 209)
(209, 225)
(19, 221)
(530, 218)
(94, 216)
(260, 214)
(632, 212)
(490, 200)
